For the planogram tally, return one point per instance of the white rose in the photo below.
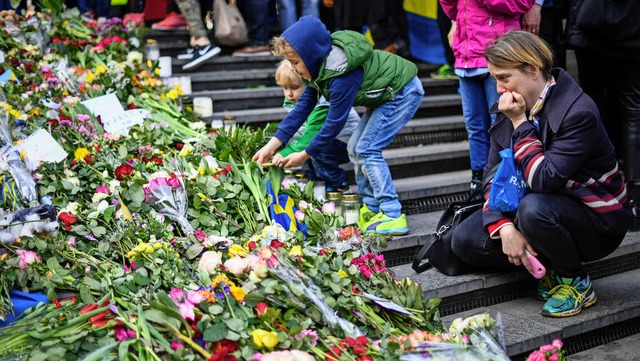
(236, 265)
(97, 197)
(210, 261)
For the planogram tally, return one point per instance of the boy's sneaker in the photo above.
(545, 285)
(200, 55)
(569, 297)
(173, 21)
(365, 216)
(383, 224)
(249, 51)
(188, 54)
(444, 72)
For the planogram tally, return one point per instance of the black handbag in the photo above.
(437, 251)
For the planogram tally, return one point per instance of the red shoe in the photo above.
(136, 19)
(173, 21)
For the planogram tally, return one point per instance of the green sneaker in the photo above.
(383, 224)
(444, 72)
(365, 216)
(569, 297)
(545, 285)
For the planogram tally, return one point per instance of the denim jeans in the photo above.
(327, 166)
(101, 7)
(376, 130)
(556, 226)
(478, 95)
(289, 14)
(256, 16)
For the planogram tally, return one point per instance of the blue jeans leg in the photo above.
(310, 7)
(288, 13)
(327, 166)
(376, 130)
(256, 15)
(478, 95)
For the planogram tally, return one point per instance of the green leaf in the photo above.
(216, 309)
(162, 318)
(136, 193)
(98, 231)
(235, 324)
(123, 152)
(194, 250)
(140, 279)
(85, 293)
(215, 333)
(100, 353)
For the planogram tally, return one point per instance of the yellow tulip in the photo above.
(342, 274)
(264, 338)
(101, 69)
(237, 250)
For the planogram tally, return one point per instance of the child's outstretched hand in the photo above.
(277, 160)
(265, 153)
(295, 159)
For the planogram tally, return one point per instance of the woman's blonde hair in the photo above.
(521, 50)
(281, 47)
(285, 76)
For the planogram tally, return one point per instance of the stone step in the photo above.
(622, 349)
(269, 95)
(525, 329)
(510, 293)
(431, 106)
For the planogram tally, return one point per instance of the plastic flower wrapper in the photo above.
(302, 291)
(167, 194)
(20, 182)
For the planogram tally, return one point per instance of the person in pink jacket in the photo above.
(477, 24)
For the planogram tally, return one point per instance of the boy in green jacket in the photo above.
(326, 165)
(345, 69)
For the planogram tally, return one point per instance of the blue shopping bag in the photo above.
(508, 186)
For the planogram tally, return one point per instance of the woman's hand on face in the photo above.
(514, 245)
(513, 106)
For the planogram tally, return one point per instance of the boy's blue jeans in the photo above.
(376, 130)
(327, 166)
(479, 93)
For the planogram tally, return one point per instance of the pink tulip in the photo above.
(329, 208)
(286, 183)
(300, 215)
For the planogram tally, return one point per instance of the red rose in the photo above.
(179, 146)
(88, 159)
(261, 307)
(124, 170)
(276, 244)
(68, 219)
(252, 245)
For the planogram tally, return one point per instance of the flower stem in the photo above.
(193, 345)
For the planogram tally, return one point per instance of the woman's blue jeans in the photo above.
(289, 14)
(376, 130)
(478, 96)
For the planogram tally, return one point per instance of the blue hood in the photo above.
(312, 41)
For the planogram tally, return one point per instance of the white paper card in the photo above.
(386, 304)
(113, 116)
(40, 146)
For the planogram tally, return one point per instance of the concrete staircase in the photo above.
(429, 160)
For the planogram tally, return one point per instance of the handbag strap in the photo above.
(423, 253)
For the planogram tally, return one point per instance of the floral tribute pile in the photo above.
(166, 247)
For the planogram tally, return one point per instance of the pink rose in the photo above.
(103, 189)
(329, 208)
(27, 258)
(194, 297)
(303, 205)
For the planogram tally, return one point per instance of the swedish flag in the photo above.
(282, 211)
(424, 35)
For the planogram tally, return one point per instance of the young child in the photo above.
(345, 69)
(326, 165)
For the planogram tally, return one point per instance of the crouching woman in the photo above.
(576, 209)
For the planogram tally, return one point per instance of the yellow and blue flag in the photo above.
(424, 36)
(282, 211)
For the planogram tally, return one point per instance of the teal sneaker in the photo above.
(569, 297)
(545, 285)
(365, 216)
(383, 224)
(444, 72)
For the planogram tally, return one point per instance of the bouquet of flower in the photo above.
(551, 352)
(168, 196)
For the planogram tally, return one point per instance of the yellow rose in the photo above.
(89, 78)
(264, 338)
(342, 274)
(296, 251)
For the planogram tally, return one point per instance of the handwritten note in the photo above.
(40, 146)
(113, 116)
(384, 303)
